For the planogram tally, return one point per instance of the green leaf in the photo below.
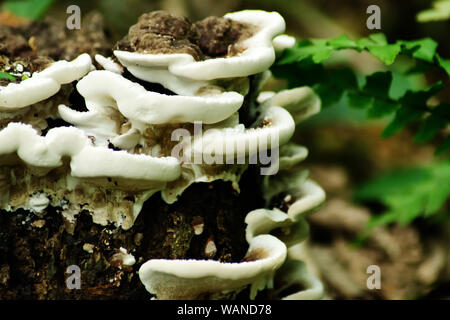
(404, 116)
(444, 146)
(31, 9)
(329, 95)
(377, 45)
(445, 64)
(419, 98)
(5, 75)
(304, 50)
(386, 53)
(359, 101)
(440, 190)
(342, 42)
(381, 108)
(434, 123)
(378, 38)
(378, 84)
(424, 49)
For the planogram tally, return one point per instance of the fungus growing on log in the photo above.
(176, 109)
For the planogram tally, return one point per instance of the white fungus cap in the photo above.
(283, 42)
(257, 56)
(108, 64)
(187, 279)
(105, 89)
(309, 197)
(294, 272)
(87, 161)
(301, 103)
(263, 221)
(239, 141)
(291, 154)
(44, 84)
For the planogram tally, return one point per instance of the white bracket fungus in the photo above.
(187, 279)
(87, 161)
(44, 84)
(103, 89)
(277, 128)
(293, 272)
(301, 103)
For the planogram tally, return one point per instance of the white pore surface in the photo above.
(179, 85)
(258, 54)
(188, 278)
(105, 89)
(44, 84)
(86, 161)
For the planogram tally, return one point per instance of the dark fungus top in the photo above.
(162, 32)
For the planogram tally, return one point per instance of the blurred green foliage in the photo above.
(408, 193)
(31, 9)
(440, 11)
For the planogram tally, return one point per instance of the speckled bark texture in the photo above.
(35, 250)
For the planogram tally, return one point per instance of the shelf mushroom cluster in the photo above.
(122, 141)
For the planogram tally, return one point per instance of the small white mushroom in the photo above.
(210, 248)
(122, 258)
(257, 56)
(198, 225)
(88, 247)
(39, 202)
(187, 279)
(44, 84)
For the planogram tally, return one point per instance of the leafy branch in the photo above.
(303, 65)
